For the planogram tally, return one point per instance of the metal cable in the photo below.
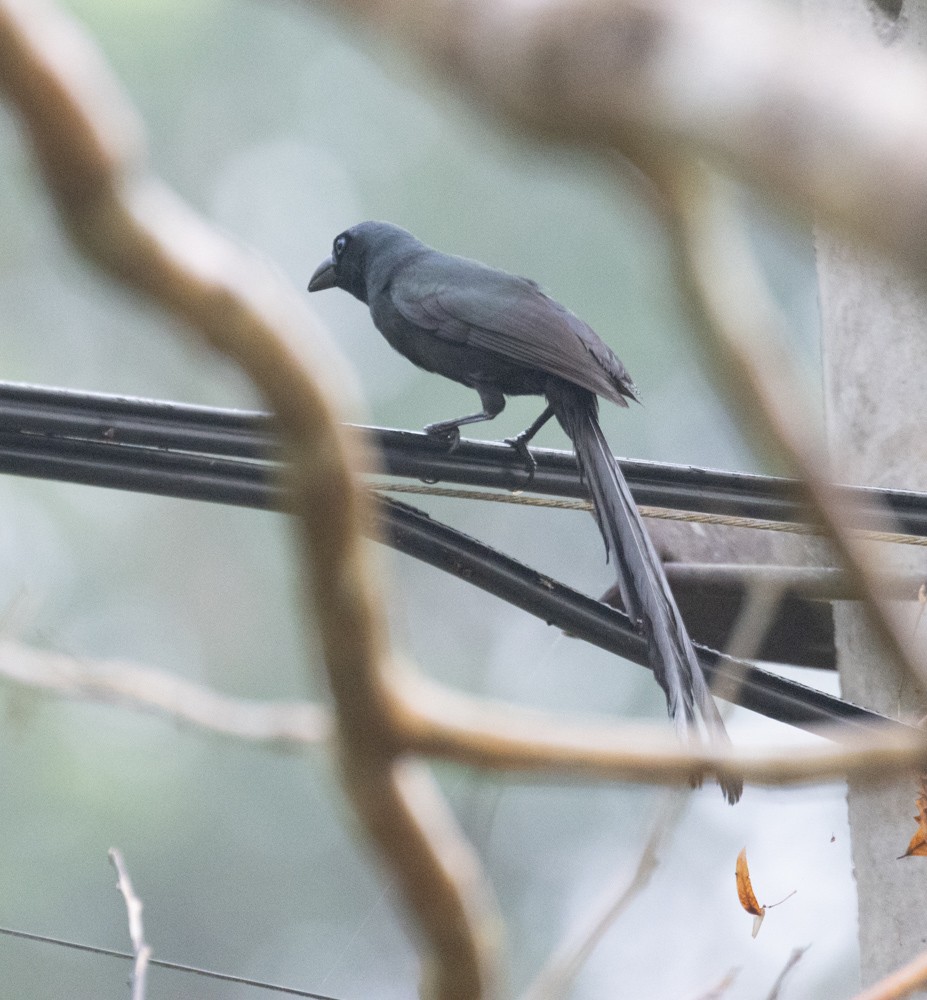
(658, 513)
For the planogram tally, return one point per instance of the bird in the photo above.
(501, 335)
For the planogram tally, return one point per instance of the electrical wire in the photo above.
(163, 964)
(243, 434)
(117, 442)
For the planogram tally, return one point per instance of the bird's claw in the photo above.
(524, 453)
(446, 434)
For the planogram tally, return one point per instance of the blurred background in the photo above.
(283, 128)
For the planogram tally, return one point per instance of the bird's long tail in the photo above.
(641, 582)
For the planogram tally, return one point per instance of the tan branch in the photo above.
(742, 336)
(479, 733)
(85, 135)
(900, 983)
(448, 725)
(831, 126)
(281, 724)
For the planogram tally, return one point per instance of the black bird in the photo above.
(502, 336)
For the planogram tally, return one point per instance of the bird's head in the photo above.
(359, 254)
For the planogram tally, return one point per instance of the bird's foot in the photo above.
(520, 445)
(446, 434)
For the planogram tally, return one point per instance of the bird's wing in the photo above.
(513, 318)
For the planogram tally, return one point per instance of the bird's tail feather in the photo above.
(641, 581)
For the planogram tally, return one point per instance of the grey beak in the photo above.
(323, 277)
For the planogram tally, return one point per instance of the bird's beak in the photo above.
(324, 276)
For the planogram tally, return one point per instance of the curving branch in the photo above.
(475, 732)
(486, 735)
(280, 724)
(87, 141)
(829, 125)
(900, 983)
(741, 334)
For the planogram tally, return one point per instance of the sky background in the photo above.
(283, 128)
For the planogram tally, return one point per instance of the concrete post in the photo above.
(874, 345)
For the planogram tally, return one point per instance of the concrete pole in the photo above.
(874, 346)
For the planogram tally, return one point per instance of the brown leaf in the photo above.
(917, 848)
(745, 891)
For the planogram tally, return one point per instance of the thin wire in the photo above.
(658, 513)
(174, 966)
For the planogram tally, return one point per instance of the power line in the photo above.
(657, 513)
(250, 438)
(173, 966)
(43, 446)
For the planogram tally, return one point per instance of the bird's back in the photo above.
(468, 302)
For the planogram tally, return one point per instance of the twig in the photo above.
(140, 950)
(281, 724)
(721, 987)
(790, 964)
(449, 725)
(567, 959)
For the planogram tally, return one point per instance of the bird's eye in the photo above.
(340, 244)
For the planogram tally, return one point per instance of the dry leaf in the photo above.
(746, 894)
(918, 846)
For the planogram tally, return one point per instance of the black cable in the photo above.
(186, 476)
(109, 419)
(239, 434)
(253, 484)
(413, 532)
(194, 970)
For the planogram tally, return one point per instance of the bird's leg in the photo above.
(448, 431)
(520, 441)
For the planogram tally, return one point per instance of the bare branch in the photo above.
(790, 964)
(829, 125)
(479, 733)
(450, 725)
(741, 333)
(86, 138)
(141, 950)
(288, 725)
(567, 959)
(901, 983)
